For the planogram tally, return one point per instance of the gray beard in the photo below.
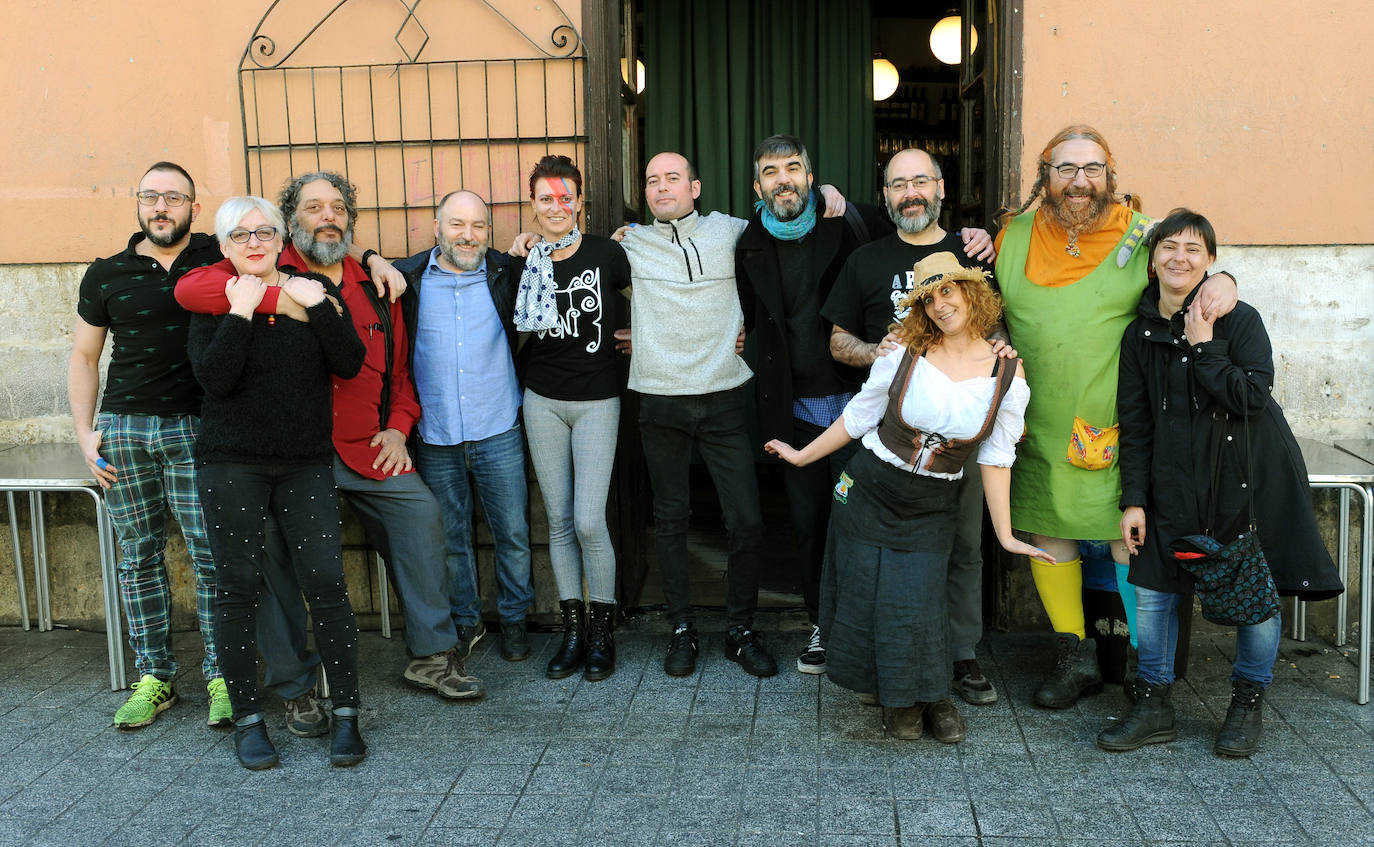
(787, 214)
(447, 248)
(322, 253)
(929, 215)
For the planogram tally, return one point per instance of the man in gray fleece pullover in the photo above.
(685, 318)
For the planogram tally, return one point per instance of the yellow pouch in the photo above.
(1092, 448)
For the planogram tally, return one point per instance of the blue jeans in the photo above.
(1157, 621)
(496, 467)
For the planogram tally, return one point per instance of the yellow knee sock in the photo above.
(1061, 591)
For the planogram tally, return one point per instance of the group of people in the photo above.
(246, 394)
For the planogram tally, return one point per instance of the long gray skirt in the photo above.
(883, 583)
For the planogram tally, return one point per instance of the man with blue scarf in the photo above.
(786, 263)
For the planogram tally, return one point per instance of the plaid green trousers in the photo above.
(154, 458)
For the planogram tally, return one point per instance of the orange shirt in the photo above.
(1048, 263)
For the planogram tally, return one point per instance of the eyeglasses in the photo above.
(897, 186)
(1091, 170)
(172, 198)
(264, 234)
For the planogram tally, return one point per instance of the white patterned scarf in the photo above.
(535, 308)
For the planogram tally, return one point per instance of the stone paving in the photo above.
(718, 758)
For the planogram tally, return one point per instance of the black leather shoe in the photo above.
(346, 747)
(682, 652)
(1240, 733)
(570, 653)
(254, 748)
(515, 643)
(1150, 720)
(745, 647)
(600, 642)
(1076, 673)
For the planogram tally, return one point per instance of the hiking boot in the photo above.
(1129, 676)
(515, 642)
(570, 653)
(946, 724)
(1075, 673)
(812, 658)
(151, 697)
(346, 747)
(746, 648)
(221, 713)
(600, 642)
(905, 723)
(682, 651)
(444, 674)
(1150, 721)
(1240, 732)
(970, 684)
(253, 747)
(305, 716)
(468, 636)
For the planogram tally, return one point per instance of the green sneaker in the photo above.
(151, 695)
(221, 713)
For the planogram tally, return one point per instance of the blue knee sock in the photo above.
(1127, 592)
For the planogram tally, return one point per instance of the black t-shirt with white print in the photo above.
(576, 360)
(877, 276)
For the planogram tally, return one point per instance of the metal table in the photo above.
(1329, 467)
(39, 468)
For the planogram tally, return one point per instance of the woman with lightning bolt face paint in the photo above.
(572, 407)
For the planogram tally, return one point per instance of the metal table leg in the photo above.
(1366, 585)
(109, 581)
(383, 593)
(1343, 564)
(40, 561)
(18, 563)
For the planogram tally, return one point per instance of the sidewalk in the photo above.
(718, 758)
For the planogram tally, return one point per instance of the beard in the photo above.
(790, 208)
(1087, 219)
(448, 248)
(322, 253)
(930, 213)
(177, 232)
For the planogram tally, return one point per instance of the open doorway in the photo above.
(718, 76)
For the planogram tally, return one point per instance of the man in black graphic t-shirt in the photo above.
(861, 307)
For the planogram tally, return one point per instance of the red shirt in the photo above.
(357, 401)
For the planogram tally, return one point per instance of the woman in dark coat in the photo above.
(1190, 387)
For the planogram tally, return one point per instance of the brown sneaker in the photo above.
(946, 724)
(305, 716)
(905, 723)
(444, 674)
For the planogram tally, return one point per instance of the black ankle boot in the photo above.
(253, 747)
(346, 747)
(1240, 733)
(1075, 674)
(569, 656)
(1150, 721)
(600, 642)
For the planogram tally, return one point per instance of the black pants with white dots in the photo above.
(237, 500)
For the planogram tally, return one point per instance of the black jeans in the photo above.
(238, 500)
(810, 490)
(670, 426)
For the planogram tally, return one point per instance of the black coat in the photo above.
(758, 275)
(1178, 405)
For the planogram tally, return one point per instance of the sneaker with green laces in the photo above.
(151, 696)
(221, 713)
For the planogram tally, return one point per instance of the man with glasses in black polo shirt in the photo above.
(141, 445)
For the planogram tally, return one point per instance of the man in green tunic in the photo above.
(1071, 278)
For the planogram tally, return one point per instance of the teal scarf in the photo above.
(788, 230)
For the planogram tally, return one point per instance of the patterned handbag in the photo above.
(1232, 579)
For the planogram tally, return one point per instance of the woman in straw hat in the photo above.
(926, 405)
